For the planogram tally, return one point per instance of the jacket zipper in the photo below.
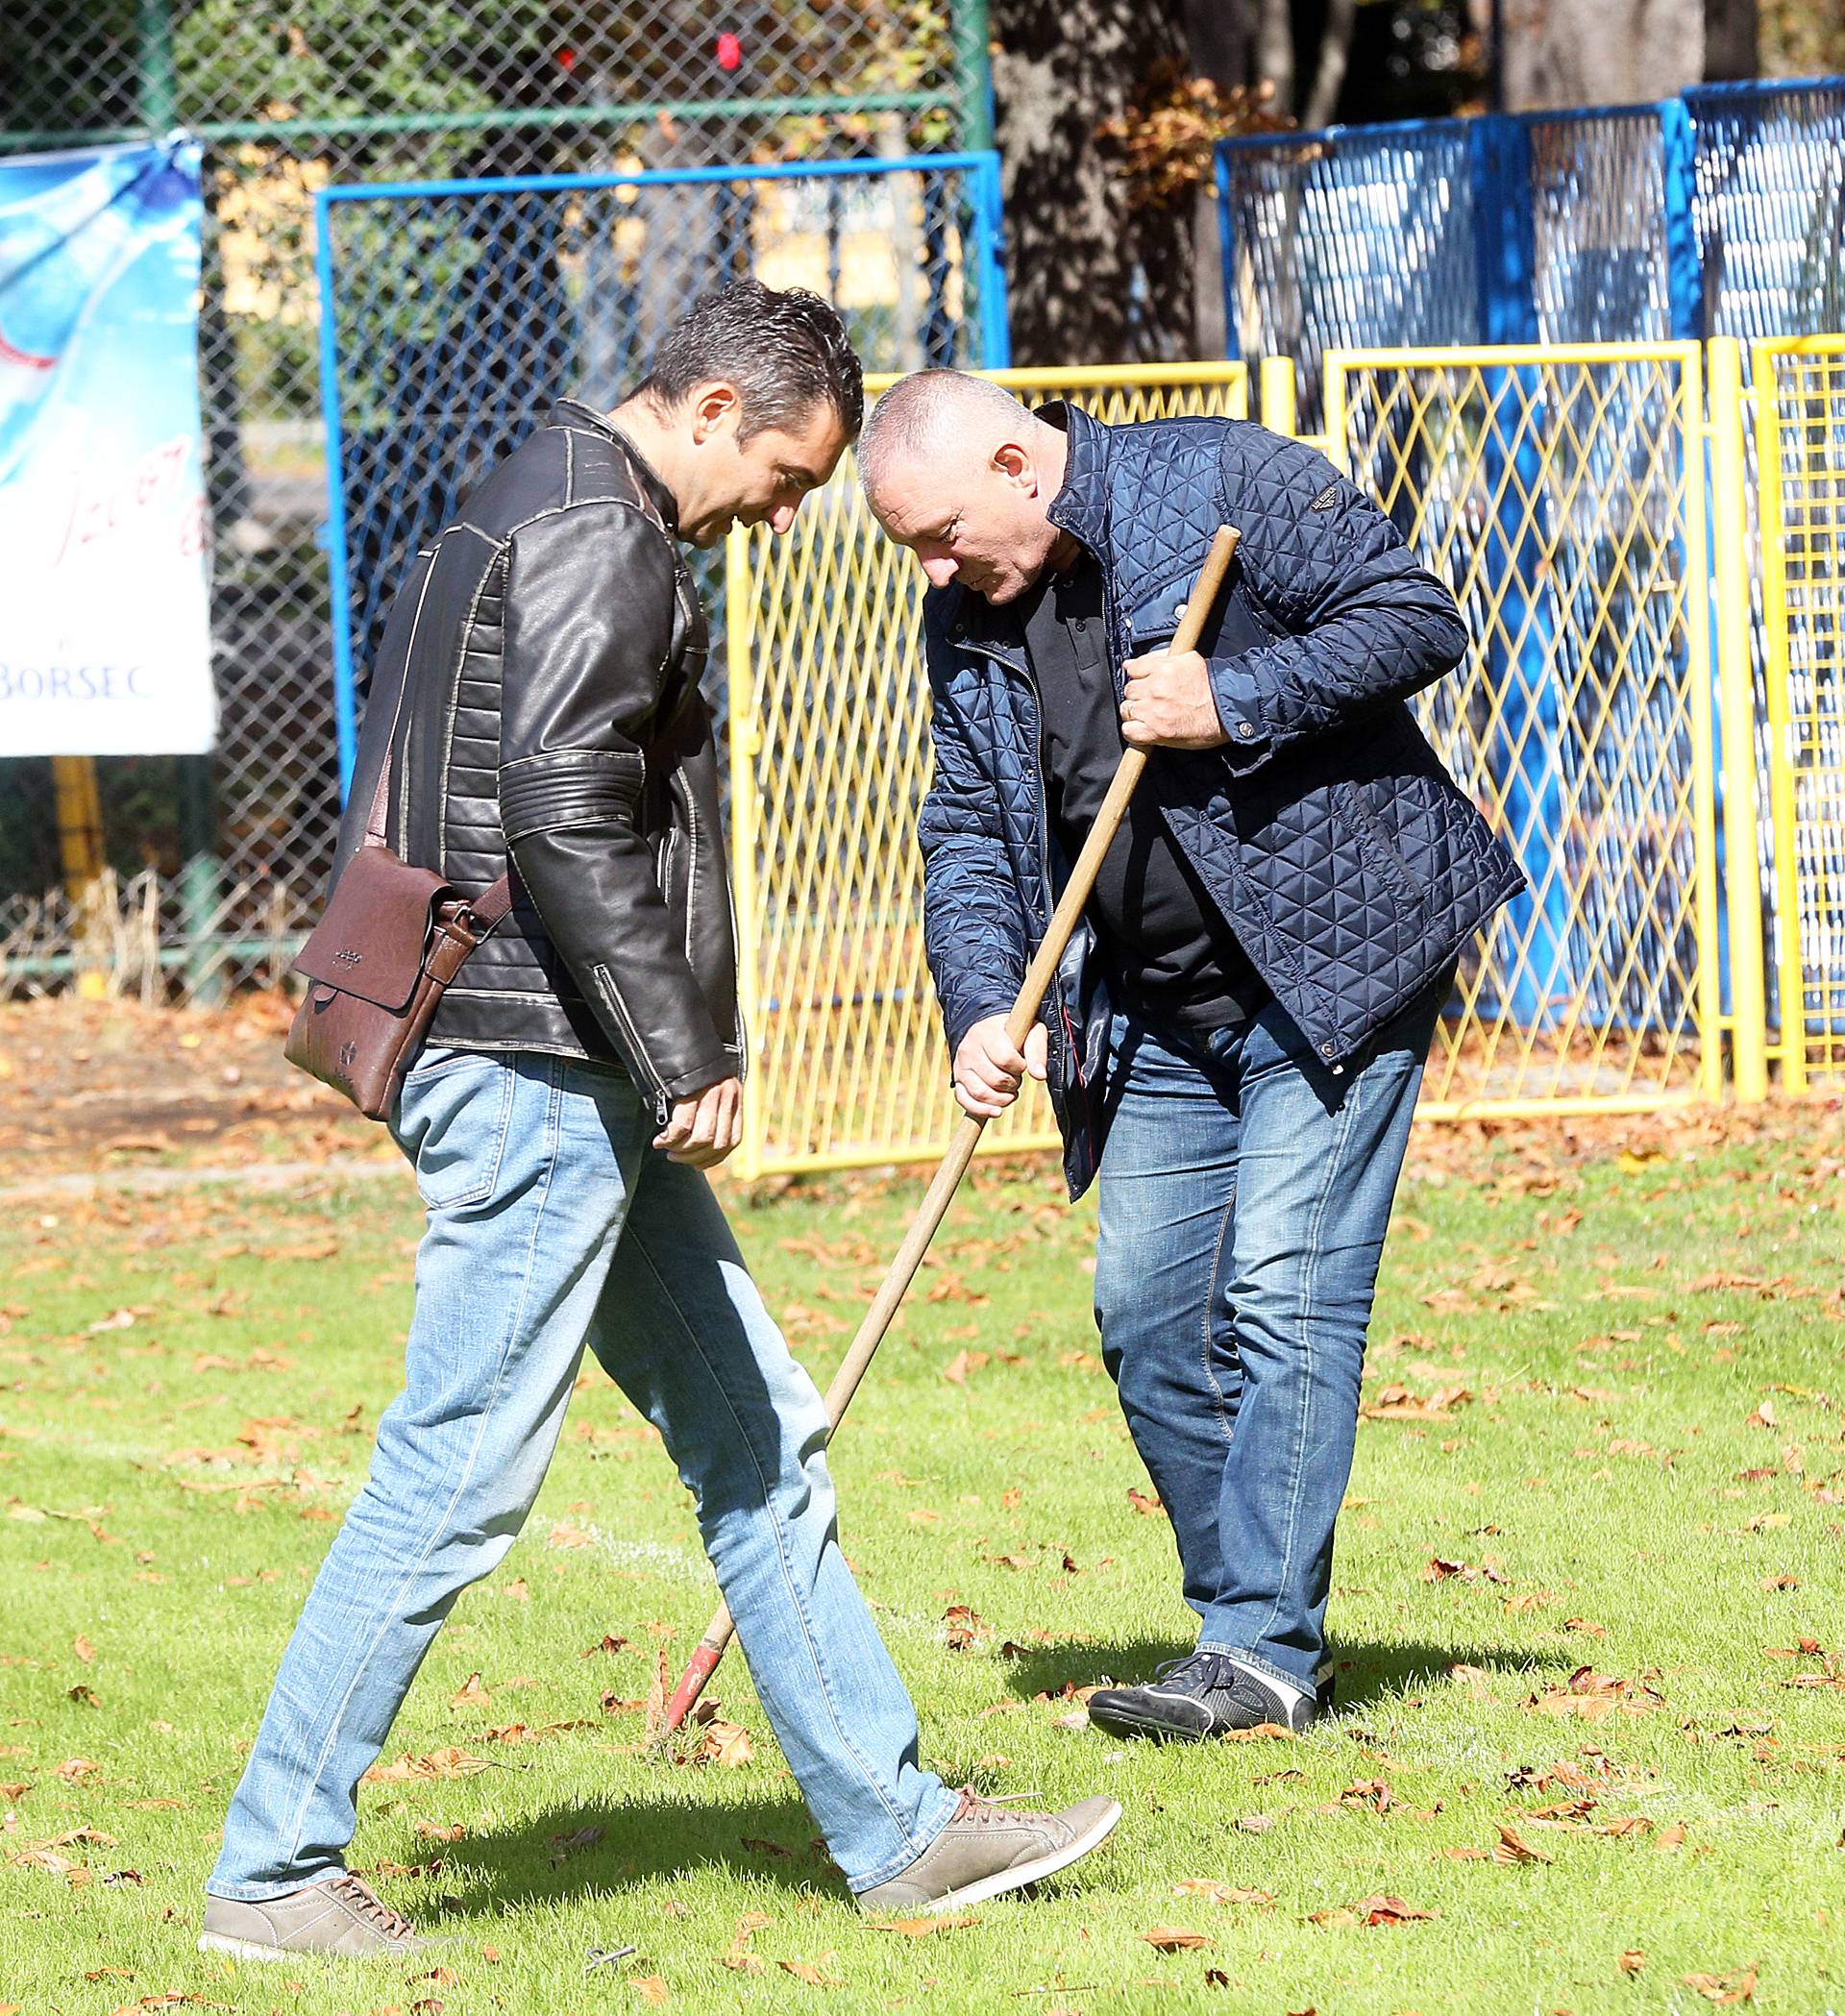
(1023, 669)
(1338, 1071)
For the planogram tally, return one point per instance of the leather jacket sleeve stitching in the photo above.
(590, 603)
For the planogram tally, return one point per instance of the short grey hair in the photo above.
(920, 411)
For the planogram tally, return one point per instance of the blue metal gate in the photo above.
(453, 314)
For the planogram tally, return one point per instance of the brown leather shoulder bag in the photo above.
(392, 939)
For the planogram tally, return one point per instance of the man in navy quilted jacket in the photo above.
(1236, 1037)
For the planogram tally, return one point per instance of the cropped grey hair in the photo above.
(922, 412)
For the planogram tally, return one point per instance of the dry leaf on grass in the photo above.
(1724, 1987)
(806, 1971)
(1381, 1909)
(724, 1743)
(1145, 1502)
(1172, 1939)
(1513, 1848)
(651, 1988)
(1631, 1962)
(1595, 1696)
(1216, 1892)
(471, 1694)
(445, 1762)
(739, 1959)
(1397, 1403)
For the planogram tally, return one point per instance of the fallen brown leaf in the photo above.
(445, 1762)
(806, 1971)
(922, 1927)
(739, 1959)
(1218, 1892)
(1724, 1987)
(1171, 1938)
(1513, 1848)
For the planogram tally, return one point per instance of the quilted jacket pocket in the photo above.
(1377, 847)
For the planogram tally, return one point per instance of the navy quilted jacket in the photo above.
(1326, 830)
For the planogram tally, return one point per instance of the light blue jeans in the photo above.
(552, 1221)
(1245, 1191)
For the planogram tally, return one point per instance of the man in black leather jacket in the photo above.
(536, 710)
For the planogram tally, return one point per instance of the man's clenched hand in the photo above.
(1168, 703)
(705, 1128)
(988, 1068)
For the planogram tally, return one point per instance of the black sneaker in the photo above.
(1204, 1694)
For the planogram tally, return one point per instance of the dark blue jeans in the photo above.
(1245, 1194)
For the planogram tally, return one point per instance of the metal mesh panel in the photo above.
(461, 312)
(1799, 389)
(1598, 216)
(288, 101)
(1770, 206)
(831, 757)
(1562, 499)
(1348, 240)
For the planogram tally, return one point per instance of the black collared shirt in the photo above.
(1168, 951)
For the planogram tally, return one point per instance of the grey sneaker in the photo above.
(986, 1850)
(340, 1917)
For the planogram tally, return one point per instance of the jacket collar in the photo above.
(1079, 507)
(585, 419)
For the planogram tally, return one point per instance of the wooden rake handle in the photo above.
(969, 1129)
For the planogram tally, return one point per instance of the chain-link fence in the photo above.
(1720, 212)
(290, 102)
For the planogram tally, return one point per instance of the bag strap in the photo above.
(489, 910)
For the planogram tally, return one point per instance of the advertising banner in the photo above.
(105, 641)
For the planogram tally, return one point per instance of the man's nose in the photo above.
(941, 572)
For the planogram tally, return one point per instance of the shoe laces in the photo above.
(1204, 1669)
(984, 1811)
(372, 1907)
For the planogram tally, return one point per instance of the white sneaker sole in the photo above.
(1024, 1873)
(261, 1950)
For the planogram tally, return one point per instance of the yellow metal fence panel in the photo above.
(830, 757)
(1800, 415)
(1559, 492)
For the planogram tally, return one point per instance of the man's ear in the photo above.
(714, 407)
(1015, 464)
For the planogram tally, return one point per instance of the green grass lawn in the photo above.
(1637, 1477)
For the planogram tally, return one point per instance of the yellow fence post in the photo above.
(1736, 708)
(1704, 740)
(1280, 401)
(1769, 478)
(745, 826)
(80, 843)
(1332, 384)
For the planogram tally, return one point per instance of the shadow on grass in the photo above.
(1364, 1674)
(544, 1857)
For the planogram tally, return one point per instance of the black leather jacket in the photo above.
(553, 644)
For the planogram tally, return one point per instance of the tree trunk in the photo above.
(1600, 52)
(1091, 279)
(1335, 53)
(1732, 40)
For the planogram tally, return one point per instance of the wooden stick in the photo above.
(968, 1130)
